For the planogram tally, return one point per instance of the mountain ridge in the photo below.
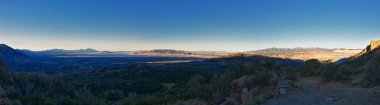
(291, 53)
(13, 56)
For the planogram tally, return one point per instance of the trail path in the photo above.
(313, 92)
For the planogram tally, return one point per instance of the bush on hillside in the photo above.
(309, 68)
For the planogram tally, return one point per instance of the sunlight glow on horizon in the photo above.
(36, 44)
(191, 25)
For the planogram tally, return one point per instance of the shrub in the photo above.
(327, 72)
(309, 68)
(290, 74)
(113, 95)
(196, 87)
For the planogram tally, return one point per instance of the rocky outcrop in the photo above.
(373, 45)
(282, 86)
(243, 89)
(243, 82)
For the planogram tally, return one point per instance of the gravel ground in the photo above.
(313, 92)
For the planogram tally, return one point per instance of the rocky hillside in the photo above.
(367, 51)
(367, 56)
(362, 69)
(353, 82)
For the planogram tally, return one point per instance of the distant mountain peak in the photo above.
(6, 49)
(89, 50)
(11, 55)
(57, 51)
(4, 45)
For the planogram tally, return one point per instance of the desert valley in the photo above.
(189, 52)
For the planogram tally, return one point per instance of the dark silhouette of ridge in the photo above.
(12, 56)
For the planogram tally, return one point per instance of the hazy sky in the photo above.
(230, 25)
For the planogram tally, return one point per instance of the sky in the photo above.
(195, 25)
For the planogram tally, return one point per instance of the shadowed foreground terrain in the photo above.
(312, 91)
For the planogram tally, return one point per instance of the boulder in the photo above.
(245, 94)
(282, 86)
(282, 91)
(243, 82)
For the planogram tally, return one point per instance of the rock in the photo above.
(282, 87)
(283, 84)
(282, 91)
(244, 95)
(374, 44)
(243, 82)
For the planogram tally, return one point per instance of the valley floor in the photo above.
(312, 92)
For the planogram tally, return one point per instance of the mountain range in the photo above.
(307, 53)
(288, 53)
(179, 53)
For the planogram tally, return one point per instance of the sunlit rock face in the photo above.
(374, 44)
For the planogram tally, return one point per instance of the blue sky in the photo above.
(217, 25)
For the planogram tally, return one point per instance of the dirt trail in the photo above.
(313, 92)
